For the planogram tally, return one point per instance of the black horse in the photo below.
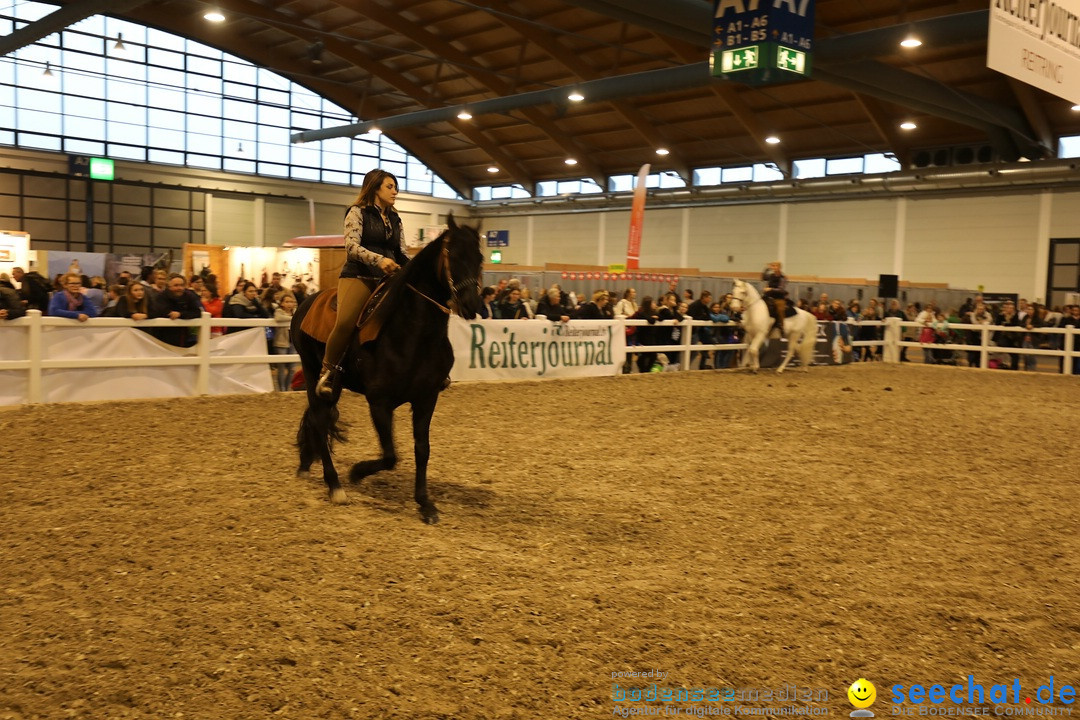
(408, 363)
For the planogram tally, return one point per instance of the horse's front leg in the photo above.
(422, 412)
(382, 417)
(318, 427)
(753, 352)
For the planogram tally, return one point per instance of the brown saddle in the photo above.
(321, 316)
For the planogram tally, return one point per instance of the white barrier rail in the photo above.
(200, 357)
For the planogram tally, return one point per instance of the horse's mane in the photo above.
(423, 262)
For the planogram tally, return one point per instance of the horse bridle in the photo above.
(455, 288)
(745, 305)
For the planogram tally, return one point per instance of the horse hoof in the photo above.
(338, 497)
(303, 474)
(430, 515)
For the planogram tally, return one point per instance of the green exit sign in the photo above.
(791, 60)
(496, 256)
(761, 64)
(101, 169)
(744, 58)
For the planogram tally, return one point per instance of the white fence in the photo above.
(31, 359)
(38, 355)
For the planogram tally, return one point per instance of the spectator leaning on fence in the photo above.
(1005, 339)
(135, 304)
(487, 304)
(552, 306)
(11, 306)
(627, 306)
(979, 315)
(70, 302)
(594, 309)
(176, 302)
(511, 307)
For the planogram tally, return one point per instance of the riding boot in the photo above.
(781, 307)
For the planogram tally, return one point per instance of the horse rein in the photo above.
(444, 262)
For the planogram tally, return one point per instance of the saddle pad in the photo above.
(319, 321)
(371, 322)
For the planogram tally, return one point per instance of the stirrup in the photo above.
(325, 386)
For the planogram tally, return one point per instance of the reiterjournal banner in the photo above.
(534, 349)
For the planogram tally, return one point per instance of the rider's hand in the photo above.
(387, 265)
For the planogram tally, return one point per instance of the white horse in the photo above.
(800, 330)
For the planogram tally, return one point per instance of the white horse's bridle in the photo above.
(742, 303)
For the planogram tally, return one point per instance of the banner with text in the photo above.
(534, 349)
(1037, 42)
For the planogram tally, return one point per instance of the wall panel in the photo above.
(841, 239)
(972, 241)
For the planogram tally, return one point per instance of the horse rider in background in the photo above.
(776, 293)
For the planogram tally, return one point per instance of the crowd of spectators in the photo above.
(158, 294)
(511, 300)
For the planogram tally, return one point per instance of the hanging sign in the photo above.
(758, 42)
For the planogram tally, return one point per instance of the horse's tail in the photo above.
(320, 424)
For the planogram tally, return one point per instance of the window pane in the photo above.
(163, 97)
(236, 90)
(707, 176)
(810, 168)
(163, 92)
(841, 166)
(738, 174)
(879, 163)
(241, 72)
(127, 132)
(42, 142)
(1069, 146)
(129, 92)
(239, 110)
(38, 100)
(83, 147)
(767, 173)
(41, 121)
(165, 58)
(204, 66)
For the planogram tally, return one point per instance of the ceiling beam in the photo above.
(59, 19)
(886, 127)
(1010, 132)
(549, 43)
(339, 93)
(1036, 116)
(360, 103)
(392, 20)
(744, 116)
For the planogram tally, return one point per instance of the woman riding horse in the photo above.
(776, 293)
(375, 247)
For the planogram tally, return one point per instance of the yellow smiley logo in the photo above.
(862, 693)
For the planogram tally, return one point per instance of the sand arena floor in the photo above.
(903, 524)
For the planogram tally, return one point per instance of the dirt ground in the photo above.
(903, 524)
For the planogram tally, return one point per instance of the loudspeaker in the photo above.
(888, 286)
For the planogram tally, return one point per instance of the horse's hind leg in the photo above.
(382, 417)
(787, 357)
(422, 412)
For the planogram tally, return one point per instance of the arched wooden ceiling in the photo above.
(384, 58)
